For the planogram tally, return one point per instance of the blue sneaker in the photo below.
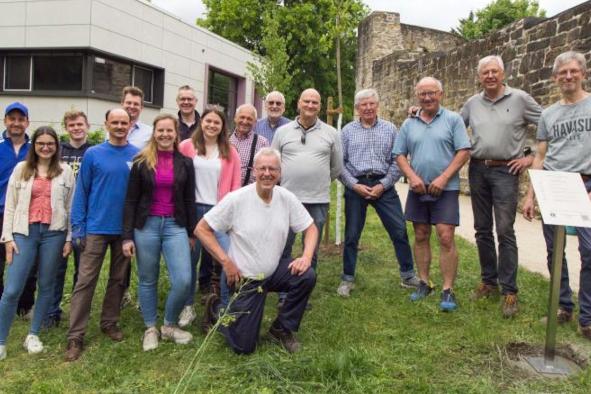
(422, 291)
(448, 301)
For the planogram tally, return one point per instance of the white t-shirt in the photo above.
(207, 175)
(258, 230)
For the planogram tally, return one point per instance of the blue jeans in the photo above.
(48, 245)
(389, 211)
(319, 214)
(207, 267)
(493, 190)
(54, 310)
(162, 235)
(565, 299)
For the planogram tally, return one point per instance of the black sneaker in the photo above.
(210, 313)
(285, 338)
(422, 291)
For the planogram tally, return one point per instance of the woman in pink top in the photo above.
(36, 225)
(159, 218)
(217, 172)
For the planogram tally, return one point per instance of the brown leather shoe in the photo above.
(563, 316)
(285, 338)
(114, 332)
(73, 350)
(585, 331)
(484, 290)
(510, 307)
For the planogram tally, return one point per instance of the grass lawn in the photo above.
(376, 341)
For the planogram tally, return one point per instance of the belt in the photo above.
(492, 163)
(371, 175)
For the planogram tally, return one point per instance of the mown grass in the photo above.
(376, 341)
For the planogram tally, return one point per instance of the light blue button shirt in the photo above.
(432, 146)
(139, 135)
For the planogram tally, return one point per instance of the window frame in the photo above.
(4, 74)
(88, 54)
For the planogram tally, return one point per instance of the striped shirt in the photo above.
(243, 145)
(368, 151)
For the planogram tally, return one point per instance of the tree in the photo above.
(307, 30)
(495, 15)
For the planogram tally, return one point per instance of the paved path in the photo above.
(530, 242)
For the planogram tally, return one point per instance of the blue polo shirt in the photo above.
(432, 146)
(9, 160)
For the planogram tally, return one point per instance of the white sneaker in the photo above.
(173, 333)
(33, 344)
(345, 288)
(150, 341)
(2, 352)
(187, 316)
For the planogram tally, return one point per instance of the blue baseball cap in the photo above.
(16, 106)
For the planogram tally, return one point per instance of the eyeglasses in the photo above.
(45, 144)
(272, 170)
(277, 103)
(428, 94)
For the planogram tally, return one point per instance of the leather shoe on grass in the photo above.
(114, 332)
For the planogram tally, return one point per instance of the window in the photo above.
(109, 77)
(143, 78)
(222, 90)
(57, 72)
(17, 72)
(80, 72)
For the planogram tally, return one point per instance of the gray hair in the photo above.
(488, 59)
(268, 151)
(185, 87)
(567, 57)
(364, 94)
(247, 106)
(275, 93)
(431, 79)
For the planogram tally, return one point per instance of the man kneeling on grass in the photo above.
(258, 218)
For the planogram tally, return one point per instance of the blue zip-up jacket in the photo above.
(100, 190)
(8, 160)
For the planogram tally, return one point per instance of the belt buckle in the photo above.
(487, 162)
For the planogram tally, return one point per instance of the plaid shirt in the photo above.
(369, 151)
(243, 145)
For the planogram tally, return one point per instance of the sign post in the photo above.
(563, 201)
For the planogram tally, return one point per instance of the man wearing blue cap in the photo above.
(13, 148)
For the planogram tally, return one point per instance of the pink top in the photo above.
(40, 207)
(230, 174)
(163, 197)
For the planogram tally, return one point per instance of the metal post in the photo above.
(557, 257)
(551, 364)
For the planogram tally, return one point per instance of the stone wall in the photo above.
(381, 34)
(528, 48)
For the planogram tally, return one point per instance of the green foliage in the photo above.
(495, 15)
(272, 70)
(297, 44)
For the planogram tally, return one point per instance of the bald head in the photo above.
(429, 92)
(117, 124)
(429, 81)
(309, 106)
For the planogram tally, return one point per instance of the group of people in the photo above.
(191, 190)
